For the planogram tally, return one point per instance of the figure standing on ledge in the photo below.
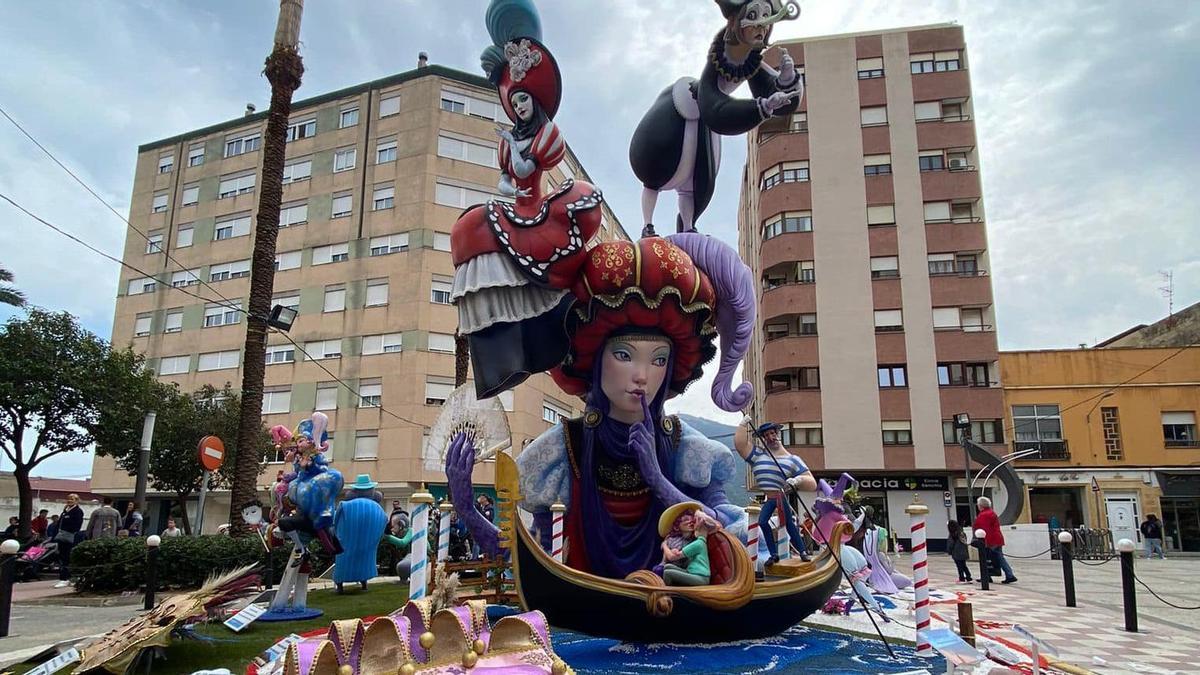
(776, 471)
(677, 145)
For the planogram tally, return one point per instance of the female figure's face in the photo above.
(687, 524)
(750, 31)
(522, 104)
(633, 368)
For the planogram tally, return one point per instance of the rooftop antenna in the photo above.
(1168, 291)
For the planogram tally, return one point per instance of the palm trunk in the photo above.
(462, 358)
(25, 503)
(284, 68)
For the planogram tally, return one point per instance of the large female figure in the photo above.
(677, 145)
(644, 323)
(515, 261)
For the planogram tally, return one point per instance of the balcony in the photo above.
(947, 132)
(784, 146)
(789, 351)
(794, 404)
(785, 197)
(950, 236)
(1178, 443)
(786, 248)
(960, 289)
(788, 299)
(941, 86)
(950, 185)
(1047, 450)
(973, 345)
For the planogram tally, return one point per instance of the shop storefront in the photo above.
(1180, 504)
(888, 494)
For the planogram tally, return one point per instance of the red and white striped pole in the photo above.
(556, 547)
(752, 512)
(917, 512)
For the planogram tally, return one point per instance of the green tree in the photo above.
(62, 389)
(182, 420)
(8, 294)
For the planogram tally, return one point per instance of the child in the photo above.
(957, 548)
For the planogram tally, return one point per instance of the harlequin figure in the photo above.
(515, 261)
(677, 145)
(645, 321)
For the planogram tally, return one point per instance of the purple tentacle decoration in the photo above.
(734, 285)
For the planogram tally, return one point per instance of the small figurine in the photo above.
(690, 567)
(359, 522)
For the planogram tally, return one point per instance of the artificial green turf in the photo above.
(235, 650)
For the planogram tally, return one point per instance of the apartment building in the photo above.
(375, 176)
(862, 215)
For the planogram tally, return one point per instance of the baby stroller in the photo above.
(36, 560)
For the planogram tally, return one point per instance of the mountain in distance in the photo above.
(735, 488)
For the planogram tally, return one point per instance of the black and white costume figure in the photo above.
(677, 144)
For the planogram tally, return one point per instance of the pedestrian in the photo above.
(104, 521)
(956, 546)
(993, 541)
(14, 526)
(133, 519)
(52, 527)
(171, 530)
(69, 525)
(1152, 531)
(38, 525)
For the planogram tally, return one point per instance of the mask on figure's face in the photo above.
(634, 366)
(252, 514)
(522, 104)
(752, 29)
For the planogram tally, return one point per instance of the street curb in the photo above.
(82, 601)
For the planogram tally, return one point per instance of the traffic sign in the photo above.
(1095, 484)
(212, 453)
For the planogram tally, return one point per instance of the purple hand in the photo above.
(641, 443)
(460, 461)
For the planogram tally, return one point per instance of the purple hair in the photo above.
(735, 311)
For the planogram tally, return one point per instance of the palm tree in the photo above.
(8, 295)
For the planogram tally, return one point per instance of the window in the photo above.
(888, 320)
(235, 185)
(218, 360)
(457, 102)
(441, 342)
(808, 378)
(953, 112)
(437, 389)
(141, 325)
(295, 213)
(786, 172)
(174, 322)
(963, 212)
(946, 317)
(166, 163)
(370, 394)
(298, 130)
(461, 197)
(806, 272)
(787, 222)
(281, 354)
(799, 122)
(335, 298)
(897, 433)
(323, 255)
(390, 343)
(1179, 429)
(877, 165)
(377, 292)
(869, 69)
(159, 205)
(946, 61)
(476, 153)
(928, 111)
(141, 285)
(290, 299)
(384, 197)
(344, 159)
(776, 331)
(276, 401)
(392, 243)
(893, 376)
(1036, 423)
(222, 315)
(931, 160)
(324, 349)
(873, 116)
(801, 433)
(921, 63)
(808, 324)
(966, 264)
(941, 263)
(191, 195)
(441, 240)
(183, 238)
(184, 278)
(228, 229)
(389, 105)
(243, 144)
(972, 319)
(937, 212)
(366, 444)
(982, 431)
(297, 171)
(289, 260)
(441, 288)
(881, 214)
(154, 243)
(348, 118)
(174, 365)
(553, 411)
(326, 396)
(233, 270)
(196, 155)
(385, 151)
(342, 205)
(885, 267)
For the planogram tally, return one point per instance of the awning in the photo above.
(1179, 483)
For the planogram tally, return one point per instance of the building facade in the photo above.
(375, 177)
(1112, 435)
(863, 218)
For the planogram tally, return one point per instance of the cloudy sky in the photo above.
(1088, 146)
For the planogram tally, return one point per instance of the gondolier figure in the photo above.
(776, 472)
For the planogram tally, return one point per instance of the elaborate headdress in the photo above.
(781, 10)
(517, 60)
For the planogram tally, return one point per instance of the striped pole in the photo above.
(782, 539)
(917, 512)
(752, 512)
(556, 547)
(443, 551)
(419, 575)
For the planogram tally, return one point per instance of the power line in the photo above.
(161, 249)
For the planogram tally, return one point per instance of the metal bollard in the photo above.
(8, 564)
(1068, 563)
(152, 543)
(984, 576)
(1125, 546)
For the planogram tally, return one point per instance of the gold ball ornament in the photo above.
(345, 670)
(470, 658)
(479, 647)
(426, 640)
(408, 669)
(558, 667)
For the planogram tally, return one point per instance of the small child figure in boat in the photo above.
(690, 566)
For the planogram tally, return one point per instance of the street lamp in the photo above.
(282, 317)
(962, 425)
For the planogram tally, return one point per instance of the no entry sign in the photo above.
(212, 453)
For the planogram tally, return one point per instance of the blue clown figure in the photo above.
(359, 522)
(776, 472)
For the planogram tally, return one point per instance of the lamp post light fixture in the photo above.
(282, 317)
(152, 544)
(962, 425)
